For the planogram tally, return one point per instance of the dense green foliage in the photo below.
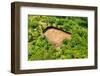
(40, 49)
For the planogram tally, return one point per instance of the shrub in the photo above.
(40, 49)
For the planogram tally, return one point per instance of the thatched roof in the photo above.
(56, 36)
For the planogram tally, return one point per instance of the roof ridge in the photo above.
(51, 27)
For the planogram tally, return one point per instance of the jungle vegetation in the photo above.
(40, 49)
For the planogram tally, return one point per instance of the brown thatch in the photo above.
(56, 36)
